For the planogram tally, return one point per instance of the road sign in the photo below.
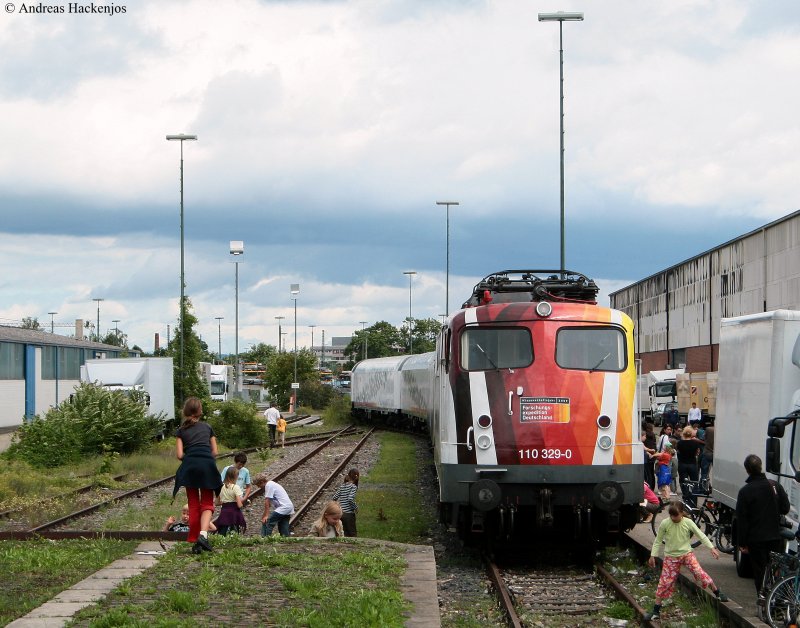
(295, 385)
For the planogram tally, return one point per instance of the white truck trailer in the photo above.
(219, 379)
(759, 379)
(656, 388)
(152, 376)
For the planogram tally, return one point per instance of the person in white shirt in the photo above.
(275, 496)
(272, 415)
(695, 415)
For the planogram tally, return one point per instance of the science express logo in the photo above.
(71, 7)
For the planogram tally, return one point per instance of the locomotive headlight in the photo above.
(605, 442)
(544, 309)
(604, 421)
(484, 421)
(484, 441)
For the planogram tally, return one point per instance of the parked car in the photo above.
(661, 408)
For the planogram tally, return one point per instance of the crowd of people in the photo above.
(683, 455)
(230, 490)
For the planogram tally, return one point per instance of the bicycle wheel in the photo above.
(723, 538)
(783, 602)
(702, 521)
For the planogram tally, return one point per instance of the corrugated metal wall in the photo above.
(681, 307)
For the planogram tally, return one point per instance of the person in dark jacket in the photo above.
(196, 448)
(759, 505)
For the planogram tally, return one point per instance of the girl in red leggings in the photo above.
(676, 533)
(196, 448)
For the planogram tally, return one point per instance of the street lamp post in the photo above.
(312, 340)
(447, 273)
(410, 274)
(219, 320)
(116, 328)
(294, 290)
(237, 249)
(97, 331)
(52, 314)
(365, 338)
(182, 137)
(561, 17)
(280, 335)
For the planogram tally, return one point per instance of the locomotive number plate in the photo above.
(544, 409)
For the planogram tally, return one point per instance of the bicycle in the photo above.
(700, 517)
(716, 523)
(782, 580)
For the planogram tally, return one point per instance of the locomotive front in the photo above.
(536, 426)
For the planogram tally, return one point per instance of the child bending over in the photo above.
(676, 532)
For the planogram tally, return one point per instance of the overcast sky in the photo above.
(328, 130)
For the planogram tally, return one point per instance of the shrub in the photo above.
(315, 394)
(93, 421)
(237, 424)
(338, 411)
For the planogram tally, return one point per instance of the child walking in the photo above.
(281, 426)
(346, 496)
(230, 516)
(329, 524)
(196, 448)
(676, 532)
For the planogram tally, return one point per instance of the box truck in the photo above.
(699, 388)
(758, 380)
(151, 376)
(655, 389)
(219, 379)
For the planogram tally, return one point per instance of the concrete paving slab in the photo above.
(39, 622)
(80, 595)
(419, 587)
(97, 584)
(58, 609)
(116, 574)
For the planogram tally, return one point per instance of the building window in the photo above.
(678, 358)
(12, 360)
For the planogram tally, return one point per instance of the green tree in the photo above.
(280, 374)
(425, 332)
(381, 339)
(116, 338)
(29, 322)
(188, 382)
(261, 353)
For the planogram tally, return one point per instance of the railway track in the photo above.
(557, 596)
(311, 465)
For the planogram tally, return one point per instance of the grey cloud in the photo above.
(51, 57)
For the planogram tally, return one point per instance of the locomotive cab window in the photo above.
(485, 349)
(591, 348)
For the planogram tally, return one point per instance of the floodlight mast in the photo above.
(561, 17)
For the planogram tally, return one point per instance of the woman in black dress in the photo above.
(196, 448)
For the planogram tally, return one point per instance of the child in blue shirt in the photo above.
(243, 481)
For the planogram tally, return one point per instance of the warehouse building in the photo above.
(39, 369)
(677, 311)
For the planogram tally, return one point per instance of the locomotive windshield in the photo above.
(591, 348)
(484, 349)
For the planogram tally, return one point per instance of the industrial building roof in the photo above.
(39, 337)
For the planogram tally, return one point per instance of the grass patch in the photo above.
(253, 581)
(389, 507)
(36, 571)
